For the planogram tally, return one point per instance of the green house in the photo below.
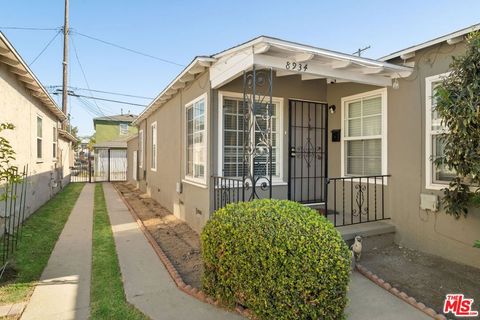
(115, 127)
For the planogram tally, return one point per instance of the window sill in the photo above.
(195, 183)
(436, 186)
(277, 183)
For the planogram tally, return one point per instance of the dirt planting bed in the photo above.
(179, 242)
(425, 277)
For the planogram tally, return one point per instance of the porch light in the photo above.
(332, 108)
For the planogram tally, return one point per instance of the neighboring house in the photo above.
(113, 127)
(348, 135)
(38, 139)
(110, 148)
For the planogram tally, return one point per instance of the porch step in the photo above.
(368, 229)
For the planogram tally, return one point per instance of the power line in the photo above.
(128, 49)
(45, 48)
(73, 94)
(83, 72)
(106, 92)
(29, 28)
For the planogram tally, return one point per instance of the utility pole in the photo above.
(65, 63)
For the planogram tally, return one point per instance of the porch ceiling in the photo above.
(289, 58)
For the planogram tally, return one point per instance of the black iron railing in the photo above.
(226, 190)
(354, 200)
(12, 214)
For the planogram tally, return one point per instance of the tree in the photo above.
(458, 105)
(8, 172)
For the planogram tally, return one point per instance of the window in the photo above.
(39, 138)
(436, 175)
(154, 146)
(232, 137)
(123, 129)
(54, 143)
(140, 148)
(364, 134)
(196, 140)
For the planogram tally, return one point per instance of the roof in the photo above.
(67, 135)
(326, 60)
(10, 57)
(120, 142)
(451, 38)
(117, 118)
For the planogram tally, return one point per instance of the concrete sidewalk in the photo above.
(148, 285)
(367, 301)
(64, 288)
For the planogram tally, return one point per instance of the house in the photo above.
(110, 148)
(38, 139)
(350, 136)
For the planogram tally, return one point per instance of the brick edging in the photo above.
(172, 271)
(399, 294)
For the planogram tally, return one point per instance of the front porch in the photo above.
(283, 132)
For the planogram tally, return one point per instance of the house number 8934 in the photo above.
(292, 65)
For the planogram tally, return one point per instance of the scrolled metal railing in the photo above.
(226, 190)
(356, 199)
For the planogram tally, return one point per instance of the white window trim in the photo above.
(187, 178)
(39, 159)
(141, 148)
(227, 94)
(120, 129)
(429, 183)
(55, 143)
(383, 136)
(153, 166)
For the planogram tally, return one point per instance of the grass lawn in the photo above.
(107, 299)
(39, 235)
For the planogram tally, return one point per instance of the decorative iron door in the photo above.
(308, 151)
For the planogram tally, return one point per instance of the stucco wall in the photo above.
(437, 233)
(20, 108)
(192, 205)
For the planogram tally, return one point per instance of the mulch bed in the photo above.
(425, 277)
(180, 243)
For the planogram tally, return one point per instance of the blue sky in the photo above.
(180, 30)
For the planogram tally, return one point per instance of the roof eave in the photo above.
(432, 42)
(28, 77)
(187, 73)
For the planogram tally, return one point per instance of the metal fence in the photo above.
(354, 200)
(104, 165)
(12, 218)
(227, 190)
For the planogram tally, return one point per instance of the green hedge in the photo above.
(278, 258)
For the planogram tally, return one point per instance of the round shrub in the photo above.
(278, 258)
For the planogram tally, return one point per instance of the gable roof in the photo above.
(117, 118)
(451, 38)
(10, 57)
(346, 64)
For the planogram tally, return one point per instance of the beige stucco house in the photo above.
(351, 136)
(38, 139)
